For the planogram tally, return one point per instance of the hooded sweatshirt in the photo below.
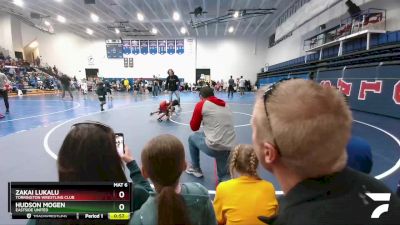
(217, 122)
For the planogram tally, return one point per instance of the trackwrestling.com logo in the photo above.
(379, 197)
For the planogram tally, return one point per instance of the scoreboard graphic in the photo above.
(44, 200)
(114, 51)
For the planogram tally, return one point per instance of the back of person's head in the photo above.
(309, 126)
(175, 102)
(206, 92)
(231, 77)
(241, 76)
(89, 153)
(163, 159)
(243, 160)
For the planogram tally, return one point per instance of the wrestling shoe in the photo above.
(194, 171)
(1, 116)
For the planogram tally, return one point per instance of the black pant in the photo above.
(66, 88)
(4, 94)
(230, 90)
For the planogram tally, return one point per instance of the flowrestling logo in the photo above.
(379, 197)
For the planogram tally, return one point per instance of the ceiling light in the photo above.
(47, 23)
(176, 16)
(94, 17)
(236, 14)
(19, 3)
(89, 31)
(34, 44)
(183, 30)
(154, 31)
(140, 17)
(58, 0)
(231, 29)
(61, 19)
(116, 30)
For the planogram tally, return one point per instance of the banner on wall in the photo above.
(180, 46)
(135, 47)
(162, 47)
(153, 47)
(171, 47)
(144, 47)
(125, 62)
(126, 47)
(130, 62)
(370, 89)
(189, 46)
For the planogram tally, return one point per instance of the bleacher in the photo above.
(20, 74)
(351, 49)
(352, 71)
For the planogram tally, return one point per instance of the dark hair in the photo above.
(89, 153)
(173, 73)
(206, 92)
(175, 102)
(163, 158)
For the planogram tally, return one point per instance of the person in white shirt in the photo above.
(242, 82)
(84, 87)
(4, 86)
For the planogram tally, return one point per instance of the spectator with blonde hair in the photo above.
(244, 198)
(300, 132)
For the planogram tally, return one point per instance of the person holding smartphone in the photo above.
(89, 154)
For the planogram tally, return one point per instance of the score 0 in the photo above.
(121, 194)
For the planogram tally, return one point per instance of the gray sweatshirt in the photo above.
(3, 80)
(217, 122)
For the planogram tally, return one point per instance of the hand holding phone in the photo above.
(127, 157)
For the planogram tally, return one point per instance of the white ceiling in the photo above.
(157, 13)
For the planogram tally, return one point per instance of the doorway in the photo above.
(91, 74)
(204, 74)
(31, 53)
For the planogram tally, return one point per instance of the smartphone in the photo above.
(119, 141)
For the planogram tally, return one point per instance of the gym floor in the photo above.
(31, 135)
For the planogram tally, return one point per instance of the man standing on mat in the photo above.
(66, 85)
(4, 92)
(242, 84)
(218, 137)
(172, 85)
(231, 83)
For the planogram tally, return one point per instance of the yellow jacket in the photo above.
(242, 200)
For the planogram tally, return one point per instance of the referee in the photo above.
(172, 84)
